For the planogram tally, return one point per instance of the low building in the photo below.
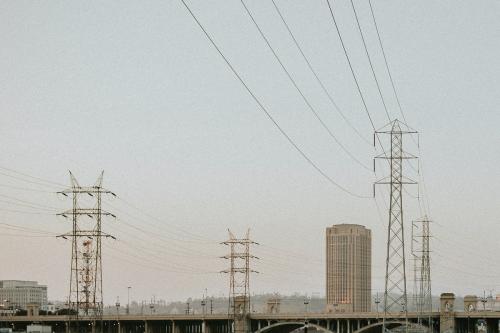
(38, 329)
(15, 294)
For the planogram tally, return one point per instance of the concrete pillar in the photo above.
(348, 326)
(357, 325)
(203, 326)
(258, 325)
(175, 328)
(338, 325)
(447, 313)
(92, 324)
(66, 327)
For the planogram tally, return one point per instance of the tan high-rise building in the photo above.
(348, 268)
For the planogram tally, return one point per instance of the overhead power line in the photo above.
(350, 66)
(29, 203)
(52, 183)
(301, 93)
(24, 189)
(385, 61)
(393, 85)
(313, 71)
(264, 109)
(370, 61)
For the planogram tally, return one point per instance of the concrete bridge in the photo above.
(456, 322)
(212, 323)
(447, 320)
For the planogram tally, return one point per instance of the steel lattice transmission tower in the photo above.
(239, 279)
(85, 290)
(421, 253)
(395, 294)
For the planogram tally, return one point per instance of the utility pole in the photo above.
(395, 294)
(85, 292)
(117, 305)
(422, 269)
(239, 278)
(377, 302)
(128, 300)
(484, 300)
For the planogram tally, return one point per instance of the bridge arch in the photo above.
(294, 324)
(377, 327)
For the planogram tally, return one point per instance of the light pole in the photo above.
(306, 304)
(377, 302)
(484, 300)
(152, 306)
(203, 303)
(128, 300)
(117, 304)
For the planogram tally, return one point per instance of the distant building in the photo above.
(348, 268)
(18, 294)
(51, 307)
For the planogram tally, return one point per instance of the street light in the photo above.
(203, 303)
(152, 304)
(117, 304)
(377, 302)
(128, 300)
(306, 303)
(484, 300)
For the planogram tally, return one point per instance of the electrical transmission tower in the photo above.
(395, 294)
(422, 270)
(239, 279)
(85, 291)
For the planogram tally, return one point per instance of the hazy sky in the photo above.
(135, 89)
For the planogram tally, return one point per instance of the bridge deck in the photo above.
(253, 316)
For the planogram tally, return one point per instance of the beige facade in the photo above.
(348, 268)
(18, 294)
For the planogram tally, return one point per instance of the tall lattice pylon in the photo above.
(239, 279)
(85, 289)
(421, 253)
(395, 294)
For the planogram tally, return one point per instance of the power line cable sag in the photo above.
(195, 238)
(393, 85)
(264, 109)
(200, 237)
(370, 60)
(357, 83)
(301, 93)
(350, 67)
(356, 80)
(385, 60)
(313, 71)
(33, 177)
